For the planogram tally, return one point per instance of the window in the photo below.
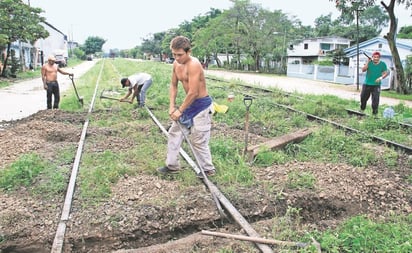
(380, 45)
(305, 46)
(324, 46)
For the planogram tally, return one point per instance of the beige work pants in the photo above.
(199, 136)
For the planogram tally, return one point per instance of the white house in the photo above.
(315, 49)
(56, 42)
(37, 53)
(302, 56)
(381, 45)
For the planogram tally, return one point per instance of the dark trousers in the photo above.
(367, 91)
(53, 90)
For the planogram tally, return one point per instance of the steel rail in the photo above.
(58, 241)
(223, 200)
(289, 94)
(375, 138)
(397, 146)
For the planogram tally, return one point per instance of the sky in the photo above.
(123, 23)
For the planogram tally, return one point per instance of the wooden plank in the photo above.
(278, 142)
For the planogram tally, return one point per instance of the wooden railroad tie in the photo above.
(277, 143)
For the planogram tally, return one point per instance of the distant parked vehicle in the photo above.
(60, 60)
(170, 60)
(89, 58)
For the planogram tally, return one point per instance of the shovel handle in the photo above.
(247, 100)
(367, 56)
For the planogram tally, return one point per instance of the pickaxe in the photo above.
(111, 98)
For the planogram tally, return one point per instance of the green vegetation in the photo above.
(301, 180)
(133, 146)
(360, 234)
(33, 172)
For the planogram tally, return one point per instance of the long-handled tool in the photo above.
(80, 99)
(111, 98)
(205, 179)
(247, 100)
(367, 55)
(106, 97)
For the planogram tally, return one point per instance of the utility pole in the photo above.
(357, 43)
(357, 49)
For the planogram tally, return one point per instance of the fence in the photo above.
(337, 74)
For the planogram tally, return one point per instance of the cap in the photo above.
(123, 82)
(376, 53)
(51, 58)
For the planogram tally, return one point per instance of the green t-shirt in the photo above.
(374, 72)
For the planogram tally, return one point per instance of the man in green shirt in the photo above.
(376, 70)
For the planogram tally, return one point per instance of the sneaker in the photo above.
(208, 173)
(166, 170)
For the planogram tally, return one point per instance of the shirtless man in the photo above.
(194, 115)
(49, 76)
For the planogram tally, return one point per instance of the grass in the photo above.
(137, 147)
(22, 173)
(33, 172)
(301, 180)
(393, 94)
(361, 234)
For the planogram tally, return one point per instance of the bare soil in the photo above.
(134, 217)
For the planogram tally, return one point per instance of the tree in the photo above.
(405, 32)
(153, 45)
(372, 20)
(258, 33)
(19, 22)
(323, 25)
(351, 5)
(93, 44)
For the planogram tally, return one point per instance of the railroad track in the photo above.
(58, 241)
(264, 91)
(59, 238)
(57, 246)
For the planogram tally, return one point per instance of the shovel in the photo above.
(80, 99)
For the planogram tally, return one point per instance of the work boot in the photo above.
(208, 173)
(166, 170)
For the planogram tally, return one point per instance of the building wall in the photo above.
(50, 45)
(313, 47)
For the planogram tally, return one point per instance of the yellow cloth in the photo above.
(220, 108)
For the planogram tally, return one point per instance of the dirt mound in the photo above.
(134, 217)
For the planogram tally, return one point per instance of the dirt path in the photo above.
(305, 86)
(25, 98)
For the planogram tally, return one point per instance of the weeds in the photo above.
(360, 234)
(136, 146)
(299, 180)
(32, 171)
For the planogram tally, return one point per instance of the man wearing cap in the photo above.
(49, 76)
(376, 70)
(138, 84)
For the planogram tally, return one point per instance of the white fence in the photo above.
(336, 74)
